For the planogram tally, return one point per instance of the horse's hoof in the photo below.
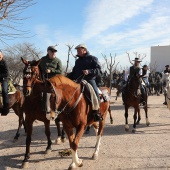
(48, 151)
(25, 164)
(111, 121)
(63, 140)
(148, 123)
(15, 140)
(137, 123)
(126, 128)
(134, 130)
(57, 141)
(81, 164)
(95, 156)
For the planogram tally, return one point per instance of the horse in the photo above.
(16, 103)
(132, 97)
(74, 110)
(167, 89)
(33, 106)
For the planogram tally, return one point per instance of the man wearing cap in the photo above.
(50, 65)
(88, 68)
(4, 83)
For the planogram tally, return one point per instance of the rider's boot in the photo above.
(5, 110)
(97, 116)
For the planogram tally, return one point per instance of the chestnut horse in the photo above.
(16, 103)
(68, 100)
(132, 97)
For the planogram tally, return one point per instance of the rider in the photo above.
(145, 75)
(3, 79)
(50, 65)
(115, 77)
(135, 69)
(167, 70)
(88, 66)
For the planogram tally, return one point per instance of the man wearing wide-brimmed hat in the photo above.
(50, 65)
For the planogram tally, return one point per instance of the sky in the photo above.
(108, 27)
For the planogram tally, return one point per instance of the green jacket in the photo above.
(54, 65)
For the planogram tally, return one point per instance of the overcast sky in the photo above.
(105, 26)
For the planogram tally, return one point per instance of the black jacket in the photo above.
(88, 62)
(3, 70)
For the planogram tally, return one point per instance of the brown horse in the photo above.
(74, 112)
(66, 99)
(16, 103)
(33, 105)
(132, 97)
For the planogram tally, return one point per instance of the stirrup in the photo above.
(97, 117)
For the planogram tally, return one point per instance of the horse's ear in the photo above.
(38, 62)
(24, 61)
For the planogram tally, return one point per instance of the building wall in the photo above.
(160, 57)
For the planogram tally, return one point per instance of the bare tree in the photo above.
(13, 57)
(10, 20)
(137, 56)
(68, 58)
(110, 65)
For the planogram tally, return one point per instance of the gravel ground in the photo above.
(148, 148)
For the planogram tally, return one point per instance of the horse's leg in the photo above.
(63, 138)
(29, 126)
(135, 117)
(146, 114)
(110, 113)
(126, 119)
(19, 112)
(57, 122)
(48, 134)
(139, 117)
(76, 162)
(99, 132)
(87, 131)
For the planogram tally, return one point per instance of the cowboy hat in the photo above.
(137, 59)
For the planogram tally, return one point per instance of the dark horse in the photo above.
(132, 97)
(33, 105)
(68, 100)
(16, 103)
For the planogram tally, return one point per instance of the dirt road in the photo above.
(148, 148)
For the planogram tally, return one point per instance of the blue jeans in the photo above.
(93, 84)
(5, 92)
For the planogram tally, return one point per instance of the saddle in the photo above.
(11, 90)
(104, 96)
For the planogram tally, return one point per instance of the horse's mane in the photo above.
(60, 79)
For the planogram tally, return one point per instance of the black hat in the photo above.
(145, 66)
(167, 66)
(52, 48)
(137, 59)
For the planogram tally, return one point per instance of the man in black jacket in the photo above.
(4, 84)
(88, 68)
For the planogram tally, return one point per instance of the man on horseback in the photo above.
(4, 83)
(50, 65)
(135, 69)
(88, 68)
(167, 70)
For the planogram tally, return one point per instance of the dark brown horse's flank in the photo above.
(67, 93)
(132, 97)
(16, 101)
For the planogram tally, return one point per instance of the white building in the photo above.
(160, 57)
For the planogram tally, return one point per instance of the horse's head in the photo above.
(134, 82)
(31, 73)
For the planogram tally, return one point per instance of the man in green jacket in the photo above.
(50, 65)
